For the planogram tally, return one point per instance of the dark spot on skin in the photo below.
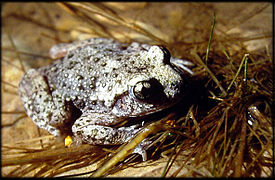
(96, 59)
(63, 84)
(94, 131)
(94, 102)
(114, 75)
(49, 114)
(103, 84)
(80, 104)
(71, 64)
(92, 86)
(54, 69)
(101, 103)
(80, 86)
(52, 129)
(106, 74)
(89, 68)
(70, 56)
(79, 77)
(123, 47)
(108, 50)
(61, 59)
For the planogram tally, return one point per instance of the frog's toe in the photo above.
(141, 149)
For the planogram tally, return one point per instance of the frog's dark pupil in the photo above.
(142, 90)
(167, 55)
(150, 91)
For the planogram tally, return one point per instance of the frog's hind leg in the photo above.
(94, 128)
(38, 101)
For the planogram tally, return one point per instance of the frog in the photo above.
(96, 83)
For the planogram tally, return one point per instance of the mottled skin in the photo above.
(107, 81)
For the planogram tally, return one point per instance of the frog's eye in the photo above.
(167, 55)
(150, 90)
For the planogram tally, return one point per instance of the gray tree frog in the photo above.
(97, 83)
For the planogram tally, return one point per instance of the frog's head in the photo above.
(155, 87)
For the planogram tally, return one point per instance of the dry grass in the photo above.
(223, 128)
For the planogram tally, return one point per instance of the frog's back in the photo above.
(91, 76)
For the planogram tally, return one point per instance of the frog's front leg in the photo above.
(42, 105)
(92, 128)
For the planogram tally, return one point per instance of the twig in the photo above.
(128, 148)
(210, 39)
(210, 73)
(240, 154)
(240, 67)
